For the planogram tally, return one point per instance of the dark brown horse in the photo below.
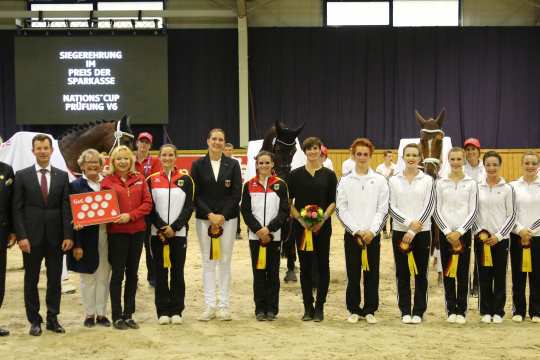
(431, 143)
(281, 141)
(101, 135)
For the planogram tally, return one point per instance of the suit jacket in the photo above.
(87, 238)
(42, 223)
(6, 192)
(221, 196)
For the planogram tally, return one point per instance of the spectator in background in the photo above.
(326, 161)
(386, 168)
(147, 165)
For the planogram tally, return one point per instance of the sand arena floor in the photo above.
(244, 338)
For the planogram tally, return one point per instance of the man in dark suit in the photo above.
(7, 237)
(42, 222)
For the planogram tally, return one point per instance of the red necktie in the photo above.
(43, 185)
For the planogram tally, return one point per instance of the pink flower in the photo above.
(314, 215)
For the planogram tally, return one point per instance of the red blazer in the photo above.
(133, 198)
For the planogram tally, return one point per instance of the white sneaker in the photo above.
(406, 319)
(353, 318)
(536, 319)
(497, 319)
(164, 320)
(208, 314)
(517, 318)
(460, 319)
(416, 319)
(176, 320)
(486, 319)
(451, 318)
(224, 314)
(370, 318)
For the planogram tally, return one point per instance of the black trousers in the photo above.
(266, 281)
(288, 244)
(519, 278)
(420, 250)
(321, 254)
(124, 256)
(169, 299)
(150, 272)
(3, 258)
(456, 290)
(353, 262)
(32, 266)
(492, 280)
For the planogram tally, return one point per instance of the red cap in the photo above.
(146, 136)
(472, 141)
(324, 150)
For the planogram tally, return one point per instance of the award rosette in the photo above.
(451, 268)
(526, 260)
(407, 249)
(482, 236)
(311, 214)
(166, 249)
(364, 257)
(261, 259)
(215, 232)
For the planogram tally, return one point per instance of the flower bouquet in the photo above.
(311, 215)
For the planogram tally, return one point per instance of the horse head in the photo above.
(431, 141)
(283, 145)
(101, 135)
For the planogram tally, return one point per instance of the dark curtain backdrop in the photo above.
(350, 82)
(343, 83)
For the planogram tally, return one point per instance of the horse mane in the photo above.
(81, 128)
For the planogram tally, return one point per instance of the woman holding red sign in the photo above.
(313, 189)
(412, 201)
(126, 234)
(265, 207)
(455, 214)
(173, 192)
(496, 218)
(89, 256)
(362, 207)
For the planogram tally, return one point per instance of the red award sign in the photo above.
(93, 208)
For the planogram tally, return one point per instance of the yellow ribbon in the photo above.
(215, 249)
(365, 261)
(526, 262)
(308, 240)
(166, 257)
(452, 268)
(413, 270)
(488, 262)
(261, 260)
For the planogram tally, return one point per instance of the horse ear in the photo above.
(299, 129)
(441, 117)
(419, 119)
(277, 124)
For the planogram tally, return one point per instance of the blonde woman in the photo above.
(126, 234)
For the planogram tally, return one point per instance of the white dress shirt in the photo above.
(47, 175)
